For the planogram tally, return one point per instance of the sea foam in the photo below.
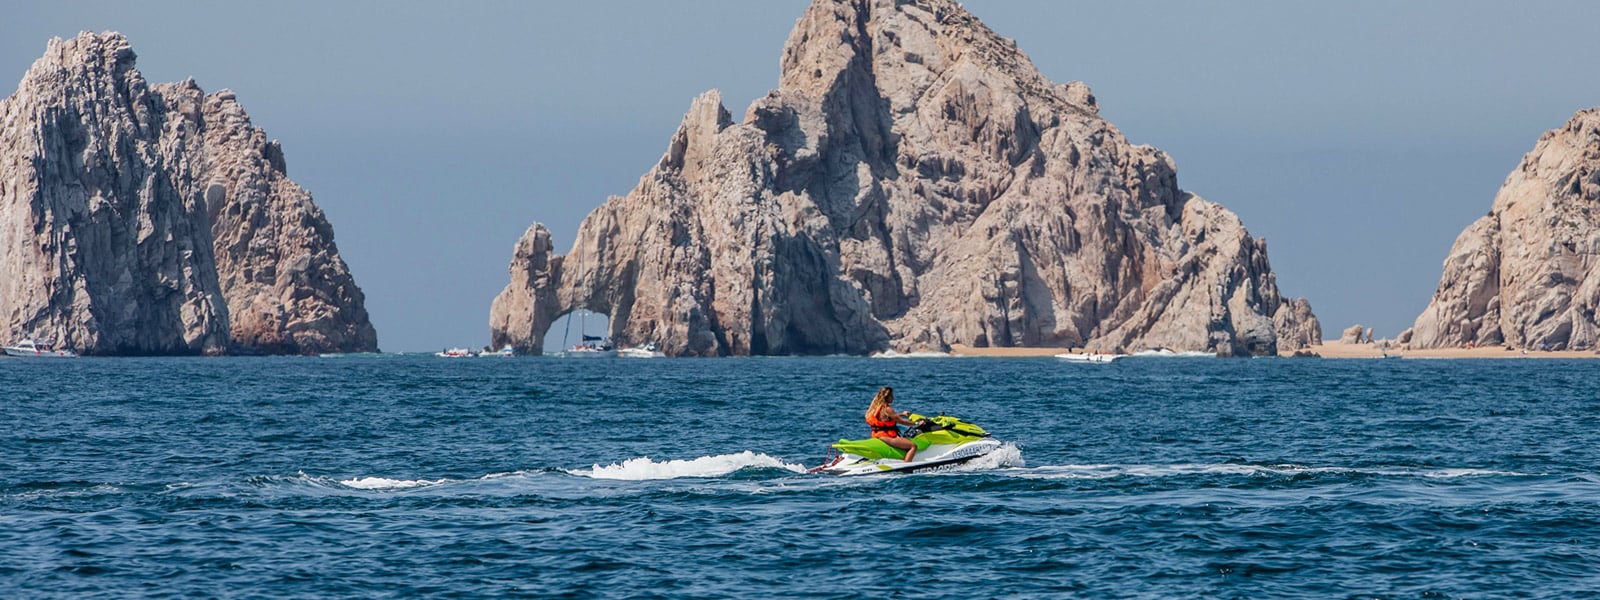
(643, 468)
(1007, 456)
(384, 483)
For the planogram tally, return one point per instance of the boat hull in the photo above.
(589, 354)
(26, 353)
(640, 353)
(934, 456)
(1090, 358)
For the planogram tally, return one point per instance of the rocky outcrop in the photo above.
(140, 219)
(913, 183)
(287, 289)
(1526, 274)
(1352, 334)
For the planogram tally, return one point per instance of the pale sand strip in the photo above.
(960, 350)
(1328, 349)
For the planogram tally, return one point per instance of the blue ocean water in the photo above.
(1146, 478)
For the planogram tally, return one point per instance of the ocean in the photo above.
(416, 476)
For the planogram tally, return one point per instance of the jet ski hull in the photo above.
(937, 455)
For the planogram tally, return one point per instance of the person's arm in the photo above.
(893, 416)
(903, 418)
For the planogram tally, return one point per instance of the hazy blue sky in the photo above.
(1358, 138)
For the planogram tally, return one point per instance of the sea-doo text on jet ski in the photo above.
(941, 440)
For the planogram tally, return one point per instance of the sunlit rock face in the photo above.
(1526, 274)
(913, 183)
(154, 219)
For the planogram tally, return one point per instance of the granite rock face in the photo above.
(287, 289)
(913, 183)
(1352, 334)
(1526, 274)
(140, 219)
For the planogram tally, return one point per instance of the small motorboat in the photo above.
(941, 441)
(1090, 357)
(32, 349)
(455, 353)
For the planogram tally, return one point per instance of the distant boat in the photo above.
(32, 349)
(455, 353)
(506, 352)
(925, 354)
(1090, 357)
(646, 351)
(589, 346)
(590, 350)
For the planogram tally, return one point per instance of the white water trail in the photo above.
(643, 468)
(384, 483)
(894, 354)
(1007, 456)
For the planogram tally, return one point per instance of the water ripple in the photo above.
(294, 478)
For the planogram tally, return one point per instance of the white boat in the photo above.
(592, 346)
(589, 346)
(924, 354)
(590, 351)
(646, 351)
(455, 353)
(1090, 357)
(32, 349)
(506, 352)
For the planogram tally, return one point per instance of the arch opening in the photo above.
(572, 327)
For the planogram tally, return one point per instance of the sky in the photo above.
(1357, 138)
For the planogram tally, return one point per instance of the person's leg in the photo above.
(904, 444)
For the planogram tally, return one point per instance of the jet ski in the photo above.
(941, 441)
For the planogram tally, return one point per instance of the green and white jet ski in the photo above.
(941, 440)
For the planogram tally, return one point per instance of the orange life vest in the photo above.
(882, 429)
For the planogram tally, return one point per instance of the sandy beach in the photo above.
(960, 350)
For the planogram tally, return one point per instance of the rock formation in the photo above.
(913, 183)
(139, 219)
(1352, 334)
(1526, 274)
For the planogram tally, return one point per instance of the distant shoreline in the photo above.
(1328, 349)
(1332, 349)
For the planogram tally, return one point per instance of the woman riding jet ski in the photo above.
(930, 442)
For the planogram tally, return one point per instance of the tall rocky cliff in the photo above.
(913, 183)
(1528, 273)
(140, 219)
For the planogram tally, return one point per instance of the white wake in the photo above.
(643, 468)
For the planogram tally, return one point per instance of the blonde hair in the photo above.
(884, 397)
